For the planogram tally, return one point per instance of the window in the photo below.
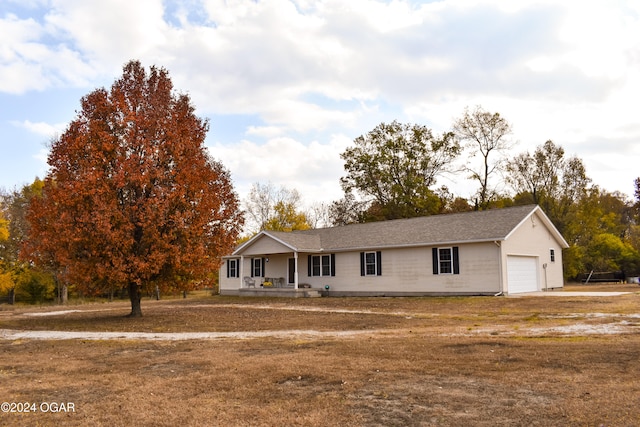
(552, 255)
(371, 263)
(326, 265)
(322, 265)
(232, 268)
(445, 260)
(257, 267)
(315, 266)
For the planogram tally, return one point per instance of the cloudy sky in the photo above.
(288, 84)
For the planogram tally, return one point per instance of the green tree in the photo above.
(538, 175)
(601, 233)
(394, 166)
(271, 208)
(345, 211)
(14, 206)
(4, 228)
(133, 199)
(286, 218)
(549, 179)
(636, 205)
(486, 135)
(35, 286)
(607, 252)
(6, 282)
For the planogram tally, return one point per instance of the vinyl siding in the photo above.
(266, 245)
(532, 238)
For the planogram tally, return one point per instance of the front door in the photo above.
(291, 276)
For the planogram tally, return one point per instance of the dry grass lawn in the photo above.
(456, 361)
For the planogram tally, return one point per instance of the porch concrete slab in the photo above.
(280, 292)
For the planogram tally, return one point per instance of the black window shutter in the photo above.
(228, 264)
(362, 263)
(434, 256)
(333, 264)
(456, 261)
(263, 267)
(309, 265)
(379, 263)
(252, 262)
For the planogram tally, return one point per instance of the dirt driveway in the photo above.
(481, 361)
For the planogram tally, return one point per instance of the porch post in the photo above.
(295, 270)
(241, 269)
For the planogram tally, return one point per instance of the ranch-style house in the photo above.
(501, 251)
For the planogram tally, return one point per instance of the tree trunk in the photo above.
(134, 296)
(12, 296)
(64, 295)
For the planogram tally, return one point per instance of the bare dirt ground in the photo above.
(455, 361)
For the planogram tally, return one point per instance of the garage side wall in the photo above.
(533, 239)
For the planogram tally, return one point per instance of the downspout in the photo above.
(501, 275)
(241, 270)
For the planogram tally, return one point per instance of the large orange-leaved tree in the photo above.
(132, 198)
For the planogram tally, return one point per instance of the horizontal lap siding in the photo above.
(533, 239)
(410, 270)
(403, 270)
(266, 245)
(228, 283)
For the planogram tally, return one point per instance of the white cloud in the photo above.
(43, 129)
(107, 31)
(265, 131)
(313, 169)
(567, 71)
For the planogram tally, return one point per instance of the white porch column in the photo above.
(241, 269)
(295, 270)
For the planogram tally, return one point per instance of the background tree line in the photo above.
(393, 172)
(133, 200)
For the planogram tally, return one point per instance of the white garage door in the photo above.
(521, 274)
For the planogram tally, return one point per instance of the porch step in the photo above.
(281, 292)
(312, 294)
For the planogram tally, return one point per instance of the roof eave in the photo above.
(416, 245)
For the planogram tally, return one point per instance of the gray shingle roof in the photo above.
(302, 242)
(480, 226)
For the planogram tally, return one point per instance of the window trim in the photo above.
(235, 270)
(322, 265)
(377, 263)
(317, 270)
(454, 262)
(445, 264)
(260, 271)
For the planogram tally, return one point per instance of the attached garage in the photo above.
(522, 274)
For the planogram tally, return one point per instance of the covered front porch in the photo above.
(269, 265)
